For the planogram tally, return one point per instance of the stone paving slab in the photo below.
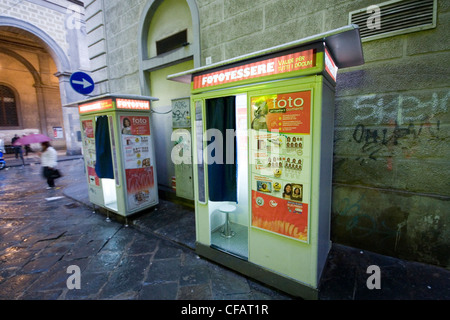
(40, 239)
(153, 258)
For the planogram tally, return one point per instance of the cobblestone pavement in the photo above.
(43, 232)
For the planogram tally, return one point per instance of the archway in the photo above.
(31, 61)
(58, 55)
(166, 46)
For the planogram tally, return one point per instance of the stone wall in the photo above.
(112, 34)
(45, 18)
(391, 187)
(58, 29)
(391, 159)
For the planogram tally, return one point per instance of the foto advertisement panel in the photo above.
(89, 151)
(281, 163)
(138, 162)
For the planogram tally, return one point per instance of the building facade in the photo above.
(391, 154)
(41, 44)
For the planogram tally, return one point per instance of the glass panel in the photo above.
(199, 140)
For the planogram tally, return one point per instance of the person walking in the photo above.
(18, 150)
(15, 147)
(49, 159)
(26, 147)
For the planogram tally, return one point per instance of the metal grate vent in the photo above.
(394, 17)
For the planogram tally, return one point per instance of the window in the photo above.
(8, 110)
(172, 42)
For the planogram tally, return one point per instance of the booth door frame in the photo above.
(303, 256)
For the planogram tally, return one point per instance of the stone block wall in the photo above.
(391, 187)
(58, 28)
(44, 17)
(112, 32)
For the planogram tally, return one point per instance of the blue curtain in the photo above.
(103, 164)
(222, 178)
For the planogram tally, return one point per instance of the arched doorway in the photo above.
(169, 43)
(28, 69)
(44, 59)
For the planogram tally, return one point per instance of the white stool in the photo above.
(227, 232)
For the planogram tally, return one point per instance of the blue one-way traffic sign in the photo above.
(81, 82)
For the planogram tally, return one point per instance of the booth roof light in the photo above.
(132, 104)
(112, 96)
(343, 43)
(95, 106)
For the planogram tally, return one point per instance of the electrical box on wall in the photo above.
(181, 123)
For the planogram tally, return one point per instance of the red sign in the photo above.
(132, 104)
(135, 125)
(93, 178)
(287, 63)
(284, 113)
(289, 218)
(95, 106)
(139, 179)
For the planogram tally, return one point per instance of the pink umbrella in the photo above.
(31, 138)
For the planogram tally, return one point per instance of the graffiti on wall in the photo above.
(374, 141)
(384, 123)
(378, 109)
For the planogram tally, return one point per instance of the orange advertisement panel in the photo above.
(278, 65)
(281, 162)
(140, 186)
(279, 215)
(89, 151)
(139, 179)
(135, 125)
(283, 113)
(137, 160)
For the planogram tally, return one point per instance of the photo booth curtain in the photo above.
(103, 164)
(222, 177)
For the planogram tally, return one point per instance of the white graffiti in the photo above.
(376, 109)
(374, 20)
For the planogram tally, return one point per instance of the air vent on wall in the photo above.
(394, 17)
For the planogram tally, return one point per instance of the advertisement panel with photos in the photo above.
(89, 151)
(138, 162)
(281, 163)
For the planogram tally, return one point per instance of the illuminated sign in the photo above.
(132, 104)
(330, 66)
(95, 106)
(286, 63)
